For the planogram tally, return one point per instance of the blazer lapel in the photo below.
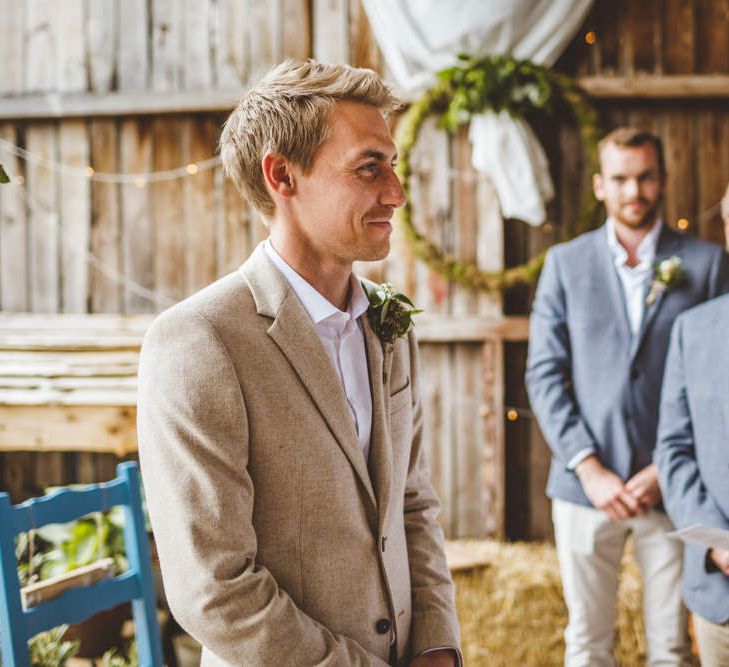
(613, 286)
(295, 335)
(380, 447)
(668, 243)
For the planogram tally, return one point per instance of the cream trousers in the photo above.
(589, 547)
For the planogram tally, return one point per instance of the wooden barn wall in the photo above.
(651, 38)
(173, 237)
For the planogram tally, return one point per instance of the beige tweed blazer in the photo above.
(279, 544)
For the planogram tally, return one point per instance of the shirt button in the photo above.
(383, 626)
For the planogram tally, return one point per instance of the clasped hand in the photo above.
(618, 499)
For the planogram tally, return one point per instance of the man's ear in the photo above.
(277, 174)
(597, 187)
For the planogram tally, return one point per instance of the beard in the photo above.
(646, 219)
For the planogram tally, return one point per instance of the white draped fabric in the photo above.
(420, 37)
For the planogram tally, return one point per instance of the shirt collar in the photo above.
(317, 306)
(646, 251)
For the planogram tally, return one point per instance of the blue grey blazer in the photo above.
(591, 383)
(692, 452)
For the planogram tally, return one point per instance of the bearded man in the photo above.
(599, 333)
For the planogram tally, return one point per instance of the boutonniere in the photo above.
(666, 275)
(390, 313)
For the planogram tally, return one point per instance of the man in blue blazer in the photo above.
(598, 338)
(692, 455)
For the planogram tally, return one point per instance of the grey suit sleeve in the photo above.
(434, 622)
(193, 445)
(549, 370)
(686, 498)
(719, 275)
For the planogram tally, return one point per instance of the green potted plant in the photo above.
(50, 649)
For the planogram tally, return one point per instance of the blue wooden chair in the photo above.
(17, 625)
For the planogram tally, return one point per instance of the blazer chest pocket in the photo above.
(400, 398)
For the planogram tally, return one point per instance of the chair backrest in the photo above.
(17, 625)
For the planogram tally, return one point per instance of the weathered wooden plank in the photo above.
(712, 138)
(296, 31)
(468, 440)
(196, 44)
(60, 326)
(363, 51)
(230, 40)
(43, 218)
(678, 37)
(493, 468)
(135, 147)
(199, 222)
(14, 269)
(75, 209)
(712, 36)
(133, 67)
(264, 33)
(431, 202)
(101, 27)
(233, 244)
(72, 105)
(437, 427)
(169, 249)
(105, 293)
(70, 46)
(489, 242)
(167, 31)
(642, 22)
(679, 144)
(46, 428)
(12, 31)
(104, 363)
(331, 30)
(669, 86)
(604, 21)
(41, 63)
(465, 220)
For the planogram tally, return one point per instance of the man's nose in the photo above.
(631, 187)
(393, 194)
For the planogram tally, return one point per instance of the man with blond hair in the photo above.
(597, 346)
(280, 427)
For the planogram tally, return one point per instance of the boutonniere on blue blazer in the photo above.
(666, 275)
(390, 313)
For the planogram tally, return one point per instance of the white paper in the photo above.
(706, 535)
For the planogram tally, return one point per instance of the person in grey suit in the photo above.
(599, 332)
(692, 455)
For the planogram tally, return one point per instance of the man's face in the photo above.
(630, 184)
(344, 204)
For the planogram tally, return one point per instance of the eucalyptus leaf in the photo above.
(4, 178)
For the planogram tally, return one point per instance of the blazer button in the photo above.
(383, 626)
(634, 373)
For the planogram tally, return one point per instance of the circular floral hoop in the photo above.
(492, 83)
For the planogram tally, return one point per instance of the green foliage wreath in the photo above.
(498, 83)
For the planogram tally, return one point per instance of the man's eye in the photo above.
(369, 169)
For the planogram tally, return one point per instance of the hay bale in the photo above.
(512, 611)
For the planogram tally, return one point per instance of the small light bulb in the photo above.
(89, 171)
(512, 415)
(192, 168)
(590, 37)
(683, 224)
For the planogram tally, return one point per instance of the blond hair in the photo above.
(288, 113)
(632, 137)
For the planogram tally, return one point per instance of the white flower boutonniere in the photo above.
(390, 313)
(666, 275)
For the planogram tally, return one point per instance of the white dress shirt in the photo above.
(343, 339)
(635, 281)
